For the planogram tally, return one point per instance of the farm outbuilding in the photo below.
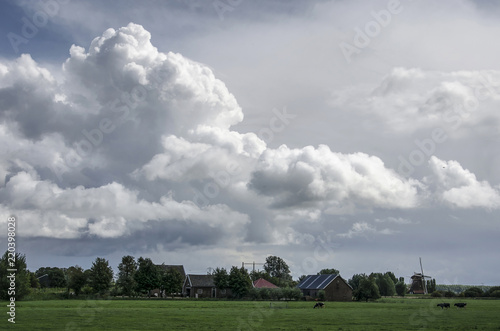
(335, 287)
(202, 286)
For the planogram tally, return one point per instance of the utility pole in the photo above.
(252, 263)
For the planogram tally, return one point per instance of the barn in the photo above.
(202, 286)
(335, 287)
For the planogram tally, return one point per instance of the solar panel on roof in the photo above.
(313, 282)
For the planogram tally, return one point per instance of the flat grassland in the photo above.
(158, 314)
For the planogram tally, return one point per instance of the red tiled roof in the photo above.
(261, 283)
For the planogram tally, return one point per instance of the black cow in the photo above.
(319, 304)
(443, 305)
(460, 304)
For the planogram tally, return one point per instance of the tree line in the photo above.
(140, 277)
(373, 286)
(134, 278)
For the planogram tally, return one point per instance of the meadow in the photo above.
(181, 314)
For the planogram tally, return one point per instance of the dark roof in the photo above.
(419, 276)
(262, 283)
(179, 268)
(316, 282)
(201, 280)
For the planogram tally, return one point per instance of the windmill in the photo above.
(418, 285)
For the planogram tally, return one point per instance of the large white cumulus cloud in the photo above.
(128, 133)
(338, 181)
(122, 59)
(459, 187)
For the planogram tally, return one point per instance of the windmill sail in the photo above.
(424, 286)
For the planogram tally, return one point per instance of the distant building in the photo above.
(202, 286)
(335, 287)
(262, 283)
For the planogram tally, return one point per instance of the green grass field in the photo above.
(154, 314)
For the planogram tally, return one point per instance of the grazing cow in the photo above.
(319, 304)
(443, 305)
(460, 304)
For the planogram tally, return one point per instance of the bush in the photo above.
(87, 290)
(450, 294)
(276, 293)
(437, 294)
(495, 294)
(321, 295)
(264, 294)
(254, 293)
(473, 292)
(291, 293)
(115, 291)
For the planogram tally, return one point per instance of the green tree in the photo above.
(384, 283)
(147, 276)
(354, 281)
(493, 291)
(239, 281)
(321, 295)
(256, 274)
(391, 275)
(302, 277)
(473, 292)
(171, 281)
(55, 277)
(22, 276)
(291, 293)
(277, 268)
(431, 285)
(494, 294)
(387, 286)
(126, 272)
(34, 283)
(76, 279)
(400, 288)
(329, 272)
(221, 278)
(101, 275)
(276, 293)
(367, 290)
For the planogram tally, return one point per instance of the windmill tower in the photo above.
(418, 285)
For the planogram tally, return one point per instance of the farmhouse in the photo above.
(262, 283)
(202, 286)
(335, 287)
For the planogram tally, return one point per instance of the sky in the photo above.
(356, 135)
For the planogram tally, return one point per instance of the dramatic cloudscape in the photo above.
(356, 135)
